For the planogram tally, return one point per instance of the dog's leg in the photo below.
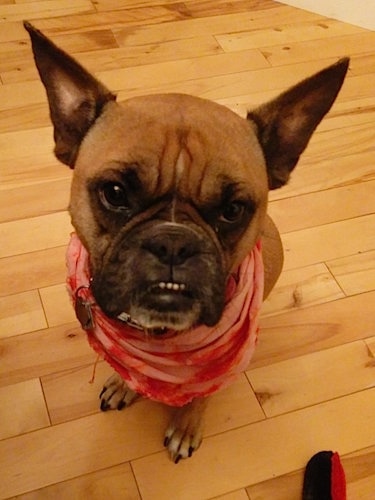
(184, 433)
(116, 394)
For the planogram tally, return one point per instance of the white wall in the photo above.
(358, 12)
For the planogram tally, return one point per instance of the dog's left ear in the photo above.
(75, 97)
(286, 123)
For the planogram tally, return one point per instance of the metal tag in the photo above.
(126, 318)
(83, 312)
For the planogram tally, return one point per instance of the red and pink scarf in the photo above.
(175, 369)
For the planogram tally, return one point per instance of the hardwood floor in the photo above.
(311, 384)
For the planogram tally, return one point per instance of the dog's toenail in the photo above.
(166, 441)
(178, 458)
(104, 406)
(103, 391)
(121, 405)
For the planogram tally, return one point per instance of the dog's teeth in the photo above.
(171, 286)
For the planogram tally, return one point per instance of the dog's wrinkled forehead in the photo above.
(175, 141)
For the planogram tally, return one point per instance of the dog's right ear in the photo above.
(286, 123)
(75, 97)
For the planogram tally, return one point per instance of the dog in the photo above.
(173, 247)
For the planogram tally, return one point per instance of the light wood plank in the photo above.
(11, 31)
(322, 147)
(359, 470)
(43, 352)
(323, 207)
(38, 233)
(214, 87)
(32, 270)
(291, 53)
(25, 172)
(22, 408)
(26, 201)
(235, 495)
(27, 117)
(322, 243)
(174, 47)
(277, 79)
(329, 425)
(302, 287)
(286, 34)
(348, 113)
(364, 64)
(313, 176)
(57, 295)
(111, 484)
(286, 487)
(124, 57)
(21, 313)
(75, 23)
(310, 330)
(197, 8)
(326, 374)
(103, 5)
(355, 274)
(360, 473)
(161, 74)
(320, 327)
(43, 8)
(69, 395)
(371, 345)
(218, 24)
(79, 447)
(16, 54)
(25, 143)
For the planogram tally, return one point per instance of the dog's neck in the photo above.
(175, 367)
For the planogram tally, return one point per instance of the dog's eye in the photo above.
(232, 212)
(113, 196)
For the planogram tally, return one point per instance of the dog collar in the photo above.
(174, 369)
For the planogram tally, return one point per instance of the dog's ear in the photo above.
(75, 97)
(286, 123)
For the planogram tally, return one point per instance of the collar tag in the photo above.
(126, 318)
(83, 311)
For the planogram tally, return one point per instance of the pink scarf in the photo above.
(174, 369)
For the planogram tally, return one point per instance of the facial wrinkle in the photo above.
(179, 170)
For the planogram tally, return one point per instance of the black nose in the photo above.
(172, 245)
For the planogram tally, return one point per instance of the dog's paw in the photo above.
(116, 394)
(184, 433)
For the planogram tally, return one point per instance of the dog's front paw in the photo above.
(185, 431)
(116, 394)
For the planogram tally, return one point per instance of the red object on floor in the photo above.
(338, 482)
(324, 478)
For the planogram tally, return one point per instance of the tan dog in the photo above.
(169, 196)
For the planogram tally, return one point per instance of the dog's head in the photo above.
(169, 192)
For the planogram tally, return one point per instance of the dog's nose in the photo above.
(172, 245)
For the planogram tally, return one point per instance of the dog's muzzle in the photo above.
(163, 275)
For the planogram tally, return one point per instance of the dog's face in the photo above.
(170, 191)
(168, 206)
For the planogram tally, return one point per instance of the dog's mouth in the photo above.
(162, 276)
(169, 286)
(167, 305)
(170, 292)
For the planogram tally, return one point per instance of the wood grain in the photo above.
(310, 384)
